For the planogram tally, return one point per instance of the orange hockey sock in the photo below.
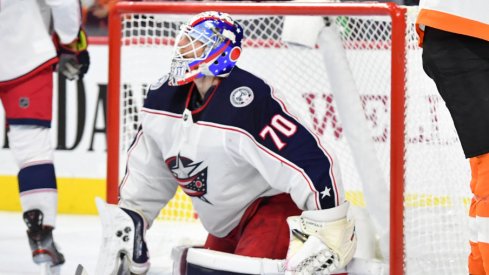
(479, 214)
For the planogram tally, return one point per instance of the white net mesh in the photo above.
(437, 175)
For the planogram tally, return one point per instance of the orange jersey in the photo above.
(469, 18)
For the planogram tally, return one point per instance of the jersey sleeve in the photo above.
(66, 18)
(291, 158)
(148, 184)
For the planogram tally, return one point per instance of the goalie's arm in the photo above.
(147, 185)
(144, 191)
(291, 158)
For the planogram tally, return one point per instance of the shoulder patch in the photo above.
(159, 83)
(241, 97)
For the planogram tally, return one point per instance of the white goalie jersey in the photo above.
(241, 144)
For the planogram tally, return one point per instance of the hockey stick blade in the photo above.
(80, 270)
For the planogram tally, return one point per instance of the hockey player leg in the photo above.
(321, 241)
(33, 152)
(123, 248)
(479, 258)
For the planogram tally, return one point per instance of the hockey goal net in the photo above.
(361, 88)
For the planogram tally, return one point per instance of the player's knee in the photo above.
(33, 152)
(30, 144)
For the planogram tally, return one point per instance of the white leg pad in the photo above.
(234, 263)
(220, 261)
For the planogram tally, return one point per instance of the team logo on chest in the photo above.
(241, 97)
(191, 176)
(159, 83)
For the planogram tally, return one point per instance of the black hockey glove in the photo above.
(74, 59)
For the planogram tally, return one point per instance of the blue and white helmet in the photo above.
(208, 45)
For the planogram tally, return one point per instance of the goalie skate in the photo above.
(123, 249)
(44, 251)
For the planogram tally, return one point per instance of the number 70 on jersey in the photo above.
(279, 124)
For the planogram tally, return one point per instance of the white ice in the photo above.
(79, 238)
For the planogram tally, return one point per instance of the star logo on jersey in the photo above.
(191, 176)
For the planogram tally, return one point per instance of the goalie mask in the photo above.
(208, 45)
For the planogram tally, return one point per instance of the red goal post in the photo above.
(396, 40)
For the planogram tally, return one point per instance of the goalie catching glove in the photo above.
(123, 249)
(74, 59)
(321, 241)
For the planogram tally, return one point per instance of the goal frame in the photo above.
(398, 86)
